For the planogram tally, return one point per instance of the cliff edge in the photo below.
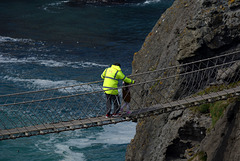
(189, 30)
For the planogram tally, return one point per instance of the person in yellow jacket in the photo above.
(111, 76)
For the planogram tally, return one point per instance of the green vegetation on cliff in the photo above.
(216, 109)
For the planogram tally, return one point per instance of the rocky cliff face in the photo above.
(189, 30)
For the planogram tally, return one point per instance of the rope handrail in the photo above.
(181, 65)
(131, 85)
(62, 97)
(44, 90)
(143, 73)
(83, 105)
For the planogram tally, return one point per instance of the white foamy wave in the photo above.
(9, 39)
(53, 63)
(64, 143)
(53, 6)
(49, 84)
(82, 88)
(6, 59)
(151, 1)
(50, 63)
(81, 64)
(68, 154)
(41, 83)
(120, 133)
(61, 148)
(147, 2)
(91, 64)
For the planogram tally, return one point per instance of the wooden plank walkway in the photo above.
(58, 127)
(191, 101)
(101, 120)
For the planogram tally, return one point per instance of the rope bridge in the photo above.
(155, 92)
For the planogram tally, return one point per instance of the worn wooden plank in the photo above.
(55, 125)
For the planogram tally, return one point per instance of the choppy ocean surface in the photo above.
(47, 44)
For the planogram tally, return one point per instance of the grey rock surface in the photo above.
(189, 30)
(223, 143)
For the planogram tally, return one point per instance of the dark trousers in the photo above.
(112, 99)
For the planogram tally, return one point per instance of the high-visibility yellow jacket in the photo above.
(111, 76)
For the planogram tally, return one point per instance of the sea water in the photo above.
(47, 43)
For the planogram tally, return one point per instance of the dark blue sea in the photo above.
(47, 44)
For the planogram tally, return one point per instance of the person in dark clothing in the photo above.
(126, 97)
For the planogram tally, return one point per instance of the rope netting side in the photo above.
(163, 88)
(186, 82)
(52, 106)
